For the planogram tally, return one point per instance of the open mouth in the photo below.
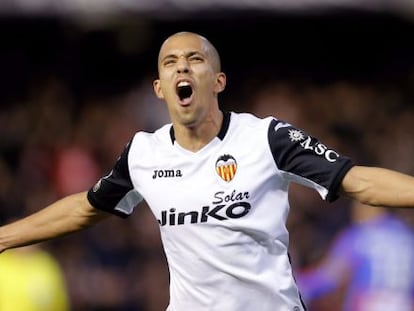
(184, 90)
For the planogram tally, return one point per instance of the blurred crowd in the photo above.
(53, 143)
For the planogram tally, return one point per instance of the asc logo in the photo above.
(312, 144)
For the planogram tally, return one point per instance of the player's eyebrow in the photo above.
(185, 54)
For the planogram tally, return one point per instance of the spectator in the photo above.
(369, 266)
(31, 279)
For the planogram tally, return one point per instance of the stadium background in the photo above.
(75, 87)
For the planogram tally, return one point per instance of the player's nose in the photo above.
(183, 65)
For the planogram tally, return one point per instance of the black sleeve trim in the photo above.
(333, 193)
(112, 188)
(298, 153)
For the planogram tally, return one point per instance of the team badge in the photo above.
(226, 167)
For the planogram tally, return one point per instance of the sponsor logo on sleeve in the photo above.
(97, 186)
(307, 143)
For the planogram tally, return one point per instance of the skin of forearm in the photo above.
(379, 187)
(70, 214)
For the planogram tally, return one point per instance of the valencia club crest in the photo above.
(226, 167)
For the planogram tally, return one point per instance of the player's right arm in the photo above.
(112, 194)
(70, 214)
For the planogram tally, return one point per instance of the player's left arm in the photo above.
(379, 186)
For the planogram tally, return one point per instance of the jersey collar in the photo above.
(221, 133)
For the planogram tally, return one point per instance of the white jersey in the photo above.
(222, 210)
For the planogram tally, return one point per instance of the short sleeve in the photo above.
(114, 192)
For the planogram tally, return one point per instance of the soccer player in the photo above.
(370, 263)
(217, 182)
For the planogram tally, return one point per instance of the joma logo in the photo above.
(167, 173)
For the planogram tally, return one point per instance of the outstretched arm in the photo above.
(67, 215)
(379, 187)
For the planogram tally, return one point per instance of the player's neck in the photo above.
(196, 137)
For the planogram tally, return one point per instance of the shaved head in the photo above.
(207, 47)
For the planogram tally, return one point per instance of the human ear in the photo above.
(157, 89)
(220, 82)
